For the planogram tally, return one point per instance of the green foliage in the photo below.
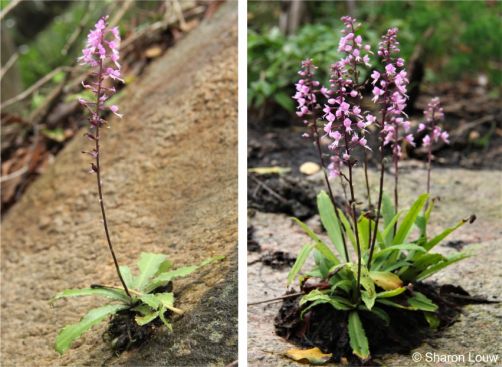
(396, 261)
(464, 41)
(154, 272)
(274, 59)
(358, 340)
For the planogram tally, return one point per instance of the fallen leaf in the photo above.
(269, 170)
(309, 168)
(313, 355)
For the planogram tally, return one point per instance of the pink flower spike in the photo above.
(115, 110)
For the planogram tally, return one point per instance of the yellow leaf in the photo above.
(313, 355)
(386, 280)
(269, 170)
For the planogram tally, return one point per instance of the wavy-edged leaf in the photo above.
(151, 300)
(148, 266)
(164, 278)
(330, 222)
(357, 336)
(143, 320)
(433, 242)
(409, 219)
(437, 267)
(71, 332)
(164, 266)
(164, 320)
(167, 300)
(318, 297)
(386, 280)
(112, 293)
(143, 309)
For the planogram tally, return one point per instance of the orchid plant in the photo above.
(387, 261)
(147, 296)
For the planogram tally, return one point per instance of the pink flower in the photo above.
(390, 69)
(115, 110)
(426, 141)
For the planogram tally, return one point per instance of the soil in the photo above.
(170, 186)
(326, 328)
(276, 260)
(281, 194)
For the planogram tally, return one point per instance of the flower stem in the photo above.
(317, 140)
(379, 206)
(98, 176)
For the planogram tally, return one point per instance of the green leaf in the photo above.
(409, 219)
(363, 228)
(319, 244)
(71, 332)
(143, 320)
(420, 302)
(167, 299)
(430, 244)
(432, 320)
(392, 293)
(388, 302)
(388, 231)
(116, 294)
(56, 134)
(319, 297)
(447, 262)
(358, 340)
(420, 262)
(284, 101)
(143, 309)
(330, 222)
(369, 295)
(164, 278)
(164, 266)
(344, 284)
(151, 300)
(348, 229)
(164, 320)
(406, 246)
(127, 276)
(388, 210)
(148, 265)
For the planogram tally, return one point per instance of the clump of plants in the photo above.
(145, 300)
(392, 249)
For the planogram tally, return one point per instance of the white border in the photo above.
(242, 180)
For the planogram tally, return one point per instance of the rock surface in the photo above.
(462, 193)
(170, 186)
